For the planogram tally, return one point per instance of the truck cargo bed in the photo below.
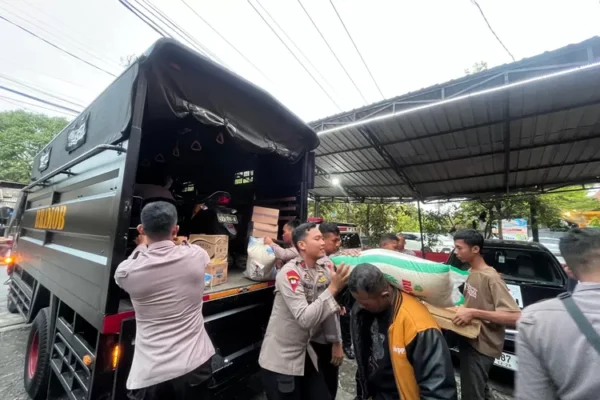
(235, 280)
(236, 283)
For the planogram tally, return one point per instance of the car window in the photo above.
(410, 236)
(350, 240)
(519, 264)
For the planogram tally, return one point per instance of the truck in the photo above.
(531, 272)
(172, 112)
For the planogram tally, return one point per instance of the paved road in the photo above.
(13, 336)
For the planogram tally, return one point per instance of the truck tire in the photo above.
(37, 357)
(11, 306)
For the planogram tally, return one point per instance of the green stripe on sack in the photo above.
(427, 268)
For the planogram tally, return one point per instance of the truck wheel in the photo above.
(11, 306)
(37, 357)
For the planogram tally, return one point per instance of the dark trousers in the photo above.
(191, 386)
(345, 299)
(474, 373)
(311, 386)
(329, 371)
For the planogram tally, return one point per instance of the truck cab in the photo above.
(171, 113)
(531, 272)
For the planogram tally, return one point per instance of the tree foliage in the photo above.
(374, 220)
(476, 67)
(22, 136)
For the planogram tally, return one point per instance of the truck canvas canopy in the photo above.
(180, 83)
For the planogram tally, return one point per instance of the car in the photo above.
(437, 243)
(532, 273)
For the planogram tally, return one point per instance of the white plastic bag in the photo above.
(260, 265)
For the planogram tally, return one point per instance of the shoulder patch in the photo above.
(293, 278)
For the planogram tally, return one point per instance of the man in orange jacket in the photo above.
(400, 350)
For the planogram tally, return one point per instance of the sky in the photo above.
(406, 44)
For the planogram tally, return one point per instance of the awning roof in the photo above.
(535, 134)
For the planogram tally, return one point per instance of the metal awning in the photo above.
(532, 135)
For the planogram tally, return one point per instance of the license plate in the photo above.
(227, 218)
(508, 361)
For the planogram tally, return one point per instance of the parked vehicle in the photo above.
(349, 234)
(175, 111)
(531, 272)
(433, 242)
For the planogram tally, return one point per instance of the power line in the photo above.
(151, 24)
(68, 34)
(332, 52)
(81, 47)
(19, 93)
(180, 31)
(295, 45)
(492, 29)
(39, 90)
(294, 55)
(356, 47)
(20, 102)
(225, 40)
(55, 46)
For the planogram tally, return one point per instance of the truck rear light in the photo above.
(116, 355)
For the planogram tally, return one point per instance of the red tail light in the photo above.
(223, 200)
(315, 220)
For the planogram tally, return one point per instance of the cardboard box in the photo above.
(268, 216)
(217, 246)
(216, 273)
(265, 222)
(444, 317)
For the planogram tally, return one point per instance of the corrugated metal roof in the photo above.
(530, 135)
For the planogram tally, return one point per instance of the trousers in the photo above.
(191, 386)
(474, 373)
(329, 371)
(311, 386)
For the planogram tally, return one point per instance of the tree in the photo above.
(476, 67)
(22, 136)
(594, 223)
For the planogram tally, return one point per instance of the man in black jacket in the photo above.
(400, 350)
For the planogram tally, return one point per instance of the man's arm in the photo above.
(532, 381)
(506, 312)
(123, 269)
(310, 315)
(284, 255)
(430, 358)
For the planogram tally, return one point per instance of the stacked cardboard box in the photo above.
(444, 317)
(265, 222)
(217, 247)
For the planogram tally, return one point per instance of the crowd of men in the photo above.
(321, 311)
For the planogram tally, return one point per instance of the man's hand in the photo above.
(339, 278)
(464, 316)
(268, 241)
(337, 354)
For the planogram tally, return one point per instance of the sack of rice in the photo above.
(260, 265)
(434, 282)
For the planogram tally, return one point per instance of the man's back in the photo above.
(166, 285)
(555, 359)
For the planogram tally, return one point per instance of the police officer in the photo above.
(304, 300)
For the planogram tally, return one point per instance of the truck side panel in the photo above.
(67, 233)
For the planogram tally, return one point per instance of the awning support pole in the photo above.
(316, 206)
(534, 223)
(421, 228)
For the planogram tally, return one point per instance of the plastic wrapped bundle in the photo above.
(434, 282)
(260, 265)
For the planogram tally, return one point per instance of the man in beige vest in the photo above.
(288, 360)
